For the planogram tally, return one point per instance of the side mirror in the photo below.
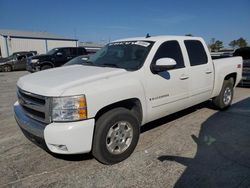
(59, 54)
(163, 64)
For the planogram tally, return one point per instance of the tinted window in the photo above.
(29, 55)
(65, 51)
(170, 49)
(73, 51)
(196, 52)
(21, 57)
(82, 51)
(129, 55)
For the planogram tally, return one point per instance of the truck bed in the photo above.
(226, 66)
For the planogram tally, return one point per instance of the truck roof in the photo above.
(160, 38)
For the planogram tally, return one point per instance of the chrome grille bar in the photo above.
(36, 106)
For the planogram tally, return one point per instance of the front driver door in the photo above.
(61, 56)
(20, 62)
(167, 91)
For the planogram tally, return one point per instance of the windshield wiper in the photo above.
(88, 63)
(111, 65)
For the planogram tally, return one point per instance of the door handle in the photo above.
(184, 77)
(208, 71)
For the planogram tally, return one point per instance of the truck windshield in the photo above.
(128, 55)
(11, 57)
(53, 51)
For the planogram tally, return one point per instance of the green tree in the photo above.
(241, 42)
(190, 35)
(233, 44)
(215, 45)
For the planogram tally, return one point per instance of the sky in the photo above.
(102, 21)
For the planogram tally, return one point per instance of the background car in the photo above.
(77, 60)
(54, 58)
(245, 54)
(17, 61)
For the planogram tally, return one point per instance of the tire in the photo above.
(44, 67)
(224, 99)
(7, 68)
(116, 135)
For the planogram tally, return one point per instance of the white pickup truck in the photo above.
(99, 106)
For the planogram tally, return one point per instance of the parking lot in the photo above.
(198, 147)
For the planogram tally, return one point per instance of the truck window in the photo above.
(170, 49)
(73, 51)
(196, 52)
(29, 54)
(81, 51)
(65, 51)
(20, 57)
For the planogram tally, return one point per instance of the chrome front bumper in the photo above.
(28, 124)
(75, 137)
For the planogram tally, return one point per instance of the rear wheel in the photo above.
(224, 99)
(7, 68)
(44, 67)
(116, 136)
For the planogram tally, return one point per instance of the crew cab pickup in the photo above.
(100, 105)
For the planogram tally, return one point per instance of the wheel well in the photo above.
(8, 65)
(47, 63)
(134, 105)
(232, 75)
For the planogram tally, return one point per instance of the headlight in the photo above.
(69, 108)
(34, 60)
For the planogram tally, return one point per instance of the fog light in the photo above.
(60, 147)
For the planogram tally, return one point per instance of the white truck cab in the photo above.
(99, 106)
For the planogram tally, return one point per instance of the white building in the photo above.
(91, 46)
(14, 41)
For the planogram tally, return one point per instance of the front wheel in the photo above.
(116, 135)
(7, 68)
(224, 99)
(44, 67)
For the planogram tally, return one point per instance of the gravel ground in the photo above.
(198, 147)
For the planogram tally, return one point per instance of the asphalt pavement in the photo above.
(197, 147)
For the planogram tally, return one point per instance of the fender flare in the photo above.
(46, 63)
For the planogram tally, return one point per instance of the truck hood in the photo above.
(53, 82)
(41, 57)
(4, 60)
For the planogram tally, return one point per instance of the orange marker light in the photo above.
(82, 102)
(82, 113)
(82, 108)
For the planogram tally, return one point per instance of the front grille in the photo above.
(35, 106)
(246, 69)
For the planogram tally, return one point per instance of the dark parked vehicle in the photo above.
(245, 54)
(77, 60)
(17, 61)
(54, 58)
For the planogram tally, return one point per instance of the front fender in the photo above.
(109, 93)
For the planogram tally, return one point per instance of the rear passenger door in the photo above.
(81, 51)
(73, 53)
(201, 73)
